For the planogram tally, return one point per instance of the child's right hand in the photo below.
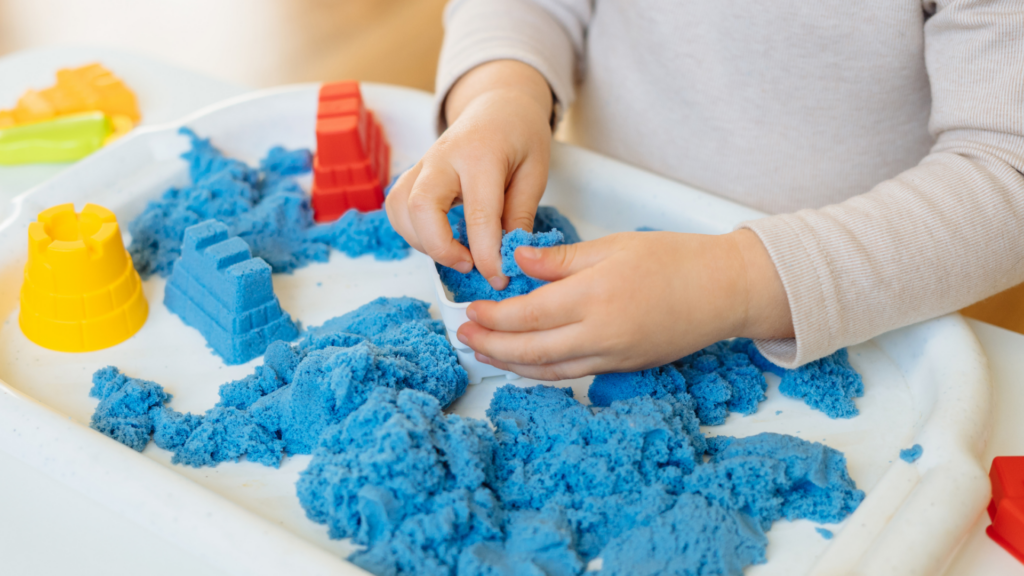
(493, 157)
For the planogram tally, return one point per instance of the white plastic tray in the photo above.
(927, 383)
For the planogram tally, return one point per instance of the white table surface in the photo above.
(47, 528)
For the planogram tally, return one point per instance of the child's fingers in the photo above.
(534, 348)
(547, 307)
(524, 192)
(430, 198)
(576, 368)
(397, 206)
(483, 192)
(561, 261)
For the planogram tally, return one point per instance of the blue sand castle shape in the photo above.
(218, 288)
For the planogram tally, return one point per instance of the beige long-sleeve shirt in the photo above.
(887, 135)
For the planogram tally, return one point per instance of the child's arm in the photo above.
(493, 157)
(630, 301)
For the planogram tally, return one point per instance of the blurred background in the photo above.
(256, 43)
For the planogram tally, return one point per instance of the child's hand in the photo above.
(628, 302)
(493, 157)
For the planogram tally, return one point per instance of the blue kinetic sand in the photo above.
(555, 484)
(357, 233)
(266, 207)
(125, 405)
(829, 384)
(552, 485)
(548, 218)
(286, 404)
(720, 379)
(218, 288)
(727, 377)
(694, 536)
(473, 286)
(910, 455)
(825, 533)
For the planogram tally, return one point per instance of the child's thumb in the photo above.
(556, 262)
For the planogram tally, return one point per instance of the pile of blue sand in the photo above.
(727, 377)
(911, 455)
(218, 288)
(285, 405)
(720, 378)
(266, 207)
(548, 231)
(553, 485)
(828, 384)
(556, 484)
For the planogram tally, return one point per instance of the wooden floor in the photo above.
(262, 43)
(1005, 309)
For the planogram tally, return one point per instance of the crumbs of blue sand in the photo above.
(545, 486)
(910, 455)
(264, 206)
(825, 533)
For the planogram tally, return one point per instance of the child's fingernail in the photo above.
(528, 252)
(465, 267)
(481, 358)
(498, 282)
(462, 338)
(471, 314)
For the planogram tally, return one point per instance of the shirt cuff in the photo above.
(810, 285)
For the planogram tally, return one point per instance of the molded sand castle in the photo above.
(218, 288)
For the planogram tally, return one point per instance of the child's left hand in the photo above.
(630, 301)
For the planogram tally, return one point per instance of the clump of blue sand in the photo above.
(828, 384)
(728, 377)
(300, 389)
(545, 485)
(264, 206)
(550, 228)
(912, 454)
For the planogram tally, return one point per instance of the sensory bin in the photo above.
(358, 389)
(245, 518)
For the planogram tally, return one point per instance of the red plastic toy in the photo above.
(352, 162)
(1006, 510)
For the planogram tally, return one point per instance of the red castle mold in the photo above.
(1006, 510)
(352, 162)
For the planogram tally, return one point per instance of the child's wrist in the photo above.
(766, 312)
(518, 81)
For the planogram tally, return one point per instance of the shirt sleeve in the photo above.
(937, 237)
(546, 34)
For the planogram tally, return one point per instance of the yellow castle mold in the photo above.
(81, 292)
